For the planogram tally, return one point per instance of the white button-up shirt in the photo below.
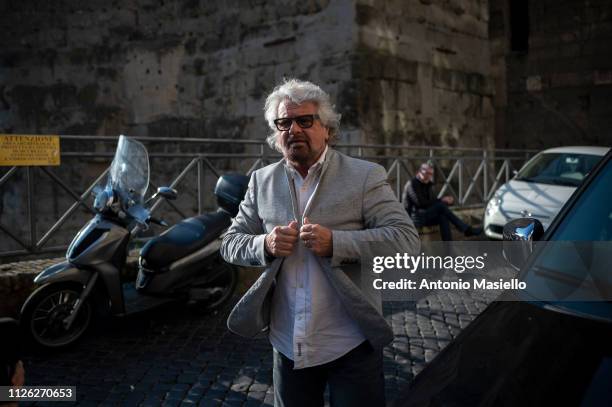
(308, 322)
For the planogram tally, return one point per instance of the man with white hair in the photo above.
(305, 218)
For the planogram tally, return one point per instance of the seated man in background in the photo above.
(427, 210)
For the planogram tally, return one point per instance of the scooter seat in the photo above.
(182, 239)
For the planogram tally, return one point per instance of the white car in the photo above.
(541, 187)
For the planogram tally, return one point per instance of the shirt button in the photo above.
(299, 317)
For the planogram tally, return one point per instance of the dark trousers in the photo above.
(439, 214)
(355, 379)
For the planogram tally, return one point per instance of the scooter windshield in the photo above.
(129, 171)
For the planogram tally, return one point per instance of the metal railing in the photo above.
(470, 175)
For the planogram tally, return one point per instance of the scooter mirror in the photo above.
(519, 235)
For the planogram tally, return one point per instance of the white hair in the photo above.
(297, 92)
(426, 165)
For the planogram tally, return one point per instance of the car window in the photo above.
(577, 259)
(558, 168)
(591, 217)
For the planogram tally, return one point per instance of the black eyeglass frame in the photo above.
(297, 119)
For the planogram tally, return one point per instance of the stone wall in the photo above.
(163, 68)
(557, 89)
(415, 71)
(411, 71)
(16, 283)
(422, 72)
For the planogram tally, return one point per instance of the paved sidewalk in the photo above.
(174, 357)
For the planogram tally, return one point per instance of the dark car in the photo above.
(535, 352)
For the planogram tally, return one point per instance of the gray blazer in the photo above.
(353, 199)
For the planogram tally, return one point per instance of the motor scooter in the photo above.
(181, 264)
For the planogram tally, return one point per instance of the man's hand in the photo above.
(447, 199)
(317, 238)
(282, 240)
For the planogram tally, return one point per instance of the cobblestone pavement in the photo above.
(175, 357)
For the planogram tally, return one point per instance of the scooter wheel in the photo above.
(43, 315)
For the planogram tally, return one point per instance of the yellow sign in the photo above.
(29, 150)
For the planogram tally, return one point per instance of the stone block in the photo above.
(442, 78)
(569, 79)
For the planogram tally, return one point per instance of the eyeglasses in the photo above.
(305, 122)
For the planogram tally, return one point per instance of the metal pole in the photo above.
(13, 236)
(485, 176)
(460, 174)
(398, 182)
(200, 186)
(8, 175)
(473, 182)
(264, 155)
(507, 165)
(31, 207)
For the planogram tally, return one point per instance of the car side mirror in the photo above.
(165, 192)
(519, 235)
